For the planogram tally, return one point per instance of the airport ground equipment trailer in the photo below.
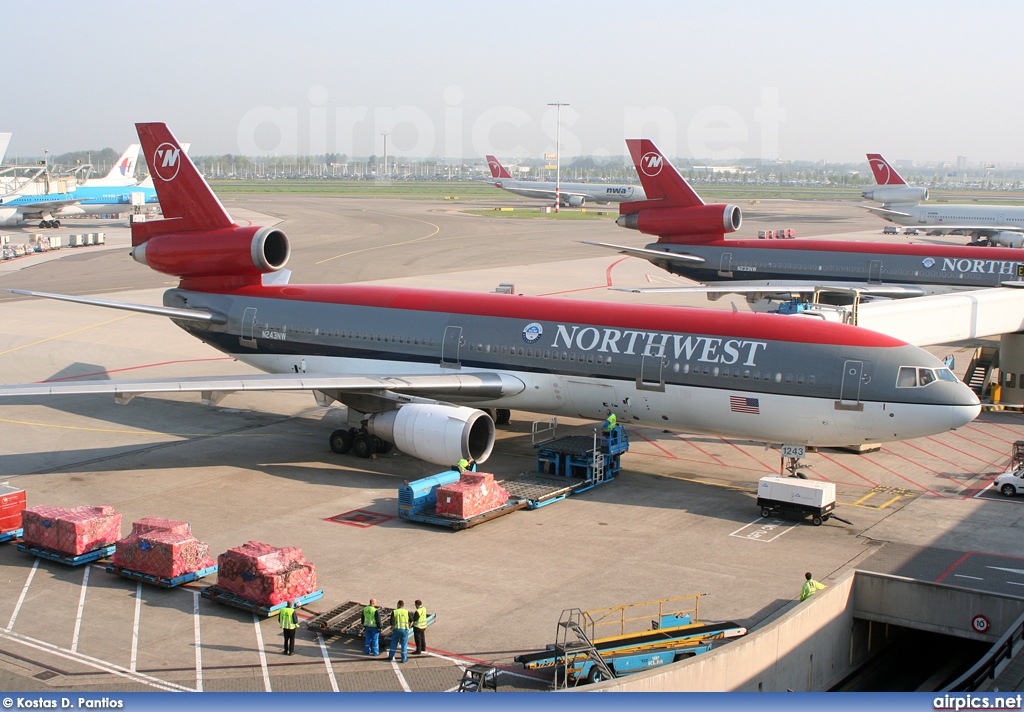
(161, 581)
(11, 535)
(228, 598)
(347, 620)
(592, 646)
(564, 466)
(67, 559)
(796, 498)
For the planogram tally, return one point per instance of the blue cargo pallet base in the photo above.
(564, 466)
(67, 559)
(11, 535)
(161, 581)
(222, 595)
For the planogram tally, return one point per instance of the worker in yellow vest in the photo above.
(809, 587)
(399, 631)
(289, 624)
(371, 628)
(609, 423)
(419, 627)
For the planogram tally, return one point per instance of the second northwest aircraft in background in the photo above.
(571, 194)
(691, 243)
(1001, 225)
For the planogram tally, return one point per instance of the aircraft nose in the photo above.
(963, 414)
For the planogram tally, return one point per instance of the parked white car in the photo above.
(1010, 483)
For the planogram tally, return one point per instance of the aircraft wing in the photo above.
(475, 385)
(173, 313)
(884, 212)
(654, 256)
(781, 287)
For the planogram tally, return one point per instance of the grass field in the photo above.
(470, 191)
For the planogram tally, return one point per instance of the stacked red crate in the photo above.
(71, 531)
(162, 547)
(475, 493)
(12, 502)
(266, 574)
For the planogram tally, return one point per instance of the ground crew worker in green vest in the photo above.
(419, 626)
(463, 465)
(810, 586)
(371, 628)
(609, 422)
(399, 631)
(289, 624)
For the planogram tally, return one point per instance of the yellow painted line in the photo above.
(894, 499)
(67, 333)
(437, 229)
(131, 432)
(867, 496)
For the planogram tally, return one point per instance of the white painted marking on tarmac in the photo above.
(199, 644)
(764, 532)
(400, 676)
(81, 609)
(1015, 583)
(463, 664)
(327, 661)
(101, 665)
(135, 626)
(974, 578)
(263, 653)
(982, 491)
(1007, 570)
(21, 598)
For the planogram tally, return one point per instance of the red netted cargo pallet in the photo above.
(265, 574)
(474, 494)
(71, 531)
(12, 502)
(162, 547)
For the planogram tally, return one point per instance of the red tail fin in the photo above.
(497, 170)
(185, 199)
(884, 173)
(660, 179)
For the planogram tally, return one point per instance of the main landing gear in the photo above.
(359, 442)
(44, 224)
(500, 416)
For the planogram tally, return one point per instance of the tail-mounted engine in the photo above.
(698, 223)
(245, 252)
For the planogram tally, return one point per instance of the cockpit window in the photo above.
(910, 377)
(907, 377)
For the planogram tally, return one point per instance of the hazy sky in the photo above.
(805, 80)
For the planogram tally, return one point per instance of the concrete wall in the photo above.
(817, 643)
(934, 607)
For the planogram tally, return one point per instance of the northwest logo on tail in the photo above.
(651, 163)
(165, 161)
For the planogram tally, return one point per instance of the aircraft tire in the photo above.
(363, 445)
(383, 446)
(43, 224)
(503, 416)
(341, 441)
(55, 223)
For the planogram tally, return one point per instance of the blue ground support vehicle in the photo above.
(564, 466)
(646, 635)
(11, 535)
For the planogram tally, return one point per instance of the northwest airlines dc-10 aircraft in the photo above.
(571, 194)
(1001, 225)
(691, 243)
(414, 366)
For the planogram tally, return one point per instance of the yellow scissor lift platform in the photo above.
(608, 642)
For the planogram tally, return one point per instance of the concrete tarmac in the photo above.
(680, 520)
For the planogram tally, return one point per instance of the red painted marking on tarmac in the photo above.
(507, 668)
(651, 442)
(987, 434)
(913, 462)
(974, 442)
(607, 279)
(953, 566)
(973, 457)
(937, 457)
(134, 368)
(759, 462)
(919, 486)
(698, 447)
(994, 424)
(851, 471)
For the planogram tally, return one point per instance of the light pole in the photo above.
(558, 153)
(385, 135)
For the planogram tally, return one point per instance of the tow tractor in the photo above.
(565, 466)
(675, 633)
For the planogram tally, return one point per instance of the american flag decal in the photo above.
(740, 404)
